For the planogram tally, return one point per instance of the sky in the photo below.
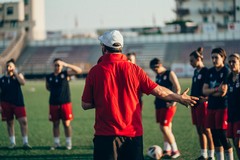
(102, 14)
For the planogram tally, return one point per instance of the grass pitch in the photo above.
(40, 129)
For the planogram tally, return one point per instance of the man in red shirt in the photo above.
(113, 88)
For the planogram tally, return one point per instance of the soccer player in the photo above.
(60, 101)
(12, 103)
(165, 110)
(199, 112)
(233, 95)
(215, 87)
(113, 88)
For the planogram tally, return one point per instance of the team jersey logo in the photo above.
(237, 85)
(221, 75)
(2, 80)
(56, 80)
(199, 76)
(50, 79)
(194, 79)
(165, 77)
(211, 75)
(230, 89)
(158, 80)
(62, 76)
(213, 84)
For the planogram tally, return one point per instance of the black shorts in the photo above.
(118, 148)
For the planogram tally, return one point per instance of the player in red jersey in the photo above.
(165, 110)
(12, 103)
(60, 100)
(233, 95)
(199, 112)
(215, 87)
(113, 87)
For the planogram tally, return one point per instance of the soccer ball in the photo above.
(155, 152)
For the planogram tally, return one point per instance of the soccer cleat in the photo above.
(167, 153)
(201, 158)
(211, 158)
(68, 146)
(26, 146)
(12, 146)
(175, 154)
(55, 146)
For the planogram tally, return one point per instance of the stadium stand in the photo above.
(179, 52)
(38, 59)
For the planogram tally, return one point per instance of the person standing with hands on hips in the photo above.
(113, 87)
(60, 100)
(12, 103)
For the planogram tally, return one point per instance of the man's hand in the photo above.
(188, 101)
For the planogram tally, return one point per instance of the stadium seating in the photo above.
(38, 59)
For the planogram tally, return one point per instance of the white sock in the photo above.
(56, 140)
(68, 140)
(174, 147)
(25, 139)
(12, 140)
(204, 153)
(166, 146)
(229, 156)
(220, 155)
(211, 153)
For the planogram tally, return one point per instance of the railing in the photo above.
(189, 37)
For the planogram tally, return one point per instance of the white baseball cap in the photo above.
(112, 37)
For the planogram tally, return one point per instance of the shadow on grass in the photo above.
(47, 148)
(49, 157)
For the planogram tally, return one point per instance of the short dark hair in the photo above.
(57, 59)
(10, 61)
(221, 52)
(112, 50)
(154, 61)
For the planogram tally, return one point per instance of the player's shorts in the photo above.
(217, 119)
(124, 148)
(63, 111)
(9, 110)
(199, 114)
(233, 130)
(164, 116)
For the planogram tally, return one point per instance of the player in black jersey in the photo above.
(12, 103)
(199, 111)
(60, 100)
(233, 95)
(215, 87)
(165, 111)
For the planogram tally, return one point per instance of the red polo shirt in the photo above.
(114, 86)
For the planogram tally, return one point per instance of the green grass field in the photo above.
(40, 129)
